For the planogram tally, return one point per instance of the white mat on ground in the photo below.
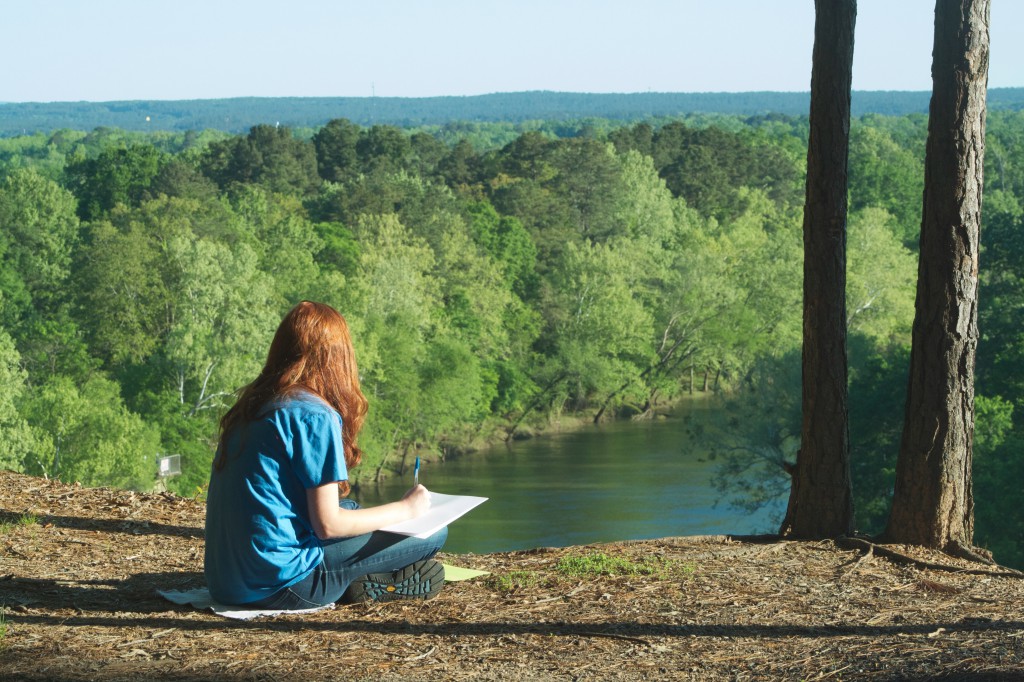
(200, 598)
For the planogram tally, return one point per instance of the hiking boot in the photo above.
(420, 580)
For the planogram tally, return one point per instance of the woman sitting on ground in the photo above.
(279, 532)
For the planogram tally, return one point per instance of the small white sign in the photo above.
(170, 465)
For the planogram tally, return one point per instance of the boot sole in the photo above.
(420, 580)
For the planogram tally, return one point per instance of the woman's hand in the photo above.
(331, 521)
(417, 499)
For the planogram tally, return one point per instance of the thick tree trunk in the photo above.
(820, 502)
(933, 503)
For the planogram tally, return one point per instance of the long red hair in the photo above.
(311, 350)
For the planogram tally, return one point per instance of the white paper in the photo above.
(443, 510)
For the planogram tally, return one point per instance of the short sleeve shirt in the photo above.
(259, 537)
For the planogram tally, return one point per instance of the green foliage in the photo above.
(998, 462)
(18, 439)
(507, 242)
(487, 118)
(38, 234)
(886, 175)
(492, 273)
(19, 521)
(335, 145)
(759, 435)
(600, 564)
(707, 166)
(383, 148)
(514, 581)
(603, 332)
(118, 176)
(878, 389)
(89, 436)
(269, 156)
(881, 277)
(340, 250)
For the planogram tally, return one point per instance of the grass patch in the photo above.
(3, 626)
(22, 521)
(599, 563)
(515, 580)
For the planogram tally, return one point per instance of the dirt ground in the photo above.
(79, 568)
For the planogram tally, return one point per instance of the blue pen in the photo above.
(416, 473)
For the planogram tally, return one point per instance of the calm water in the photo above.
(619, 481)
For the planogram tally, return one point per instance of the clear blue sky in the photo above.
(100, 50)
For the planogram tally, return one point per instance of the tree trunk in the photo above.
(933, 503)
(821, 499)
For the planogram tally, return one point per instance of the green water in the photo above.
(620, 481)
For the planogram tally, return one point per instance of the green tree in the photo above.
(335, 145)
(340, 250)
(118, 175)
(285, 241)
(18, 440)
(383, 148)
(602, 331)
(880, 281)
(391, 302)
(181, 177)
(1001, 300)
(587, 183)
(223, 315)
(269, 156)
(508, 243)
(998, 466)
(90, 436)
(475, 297)
(754, 444)
(39, 232)
(885, 175)
(707, 166)
(124, 299)
(460, 166)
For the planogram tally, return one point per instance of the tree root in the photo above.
(961, 552)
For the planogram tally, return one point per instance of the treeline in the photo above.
(237, 115)
(489, 288)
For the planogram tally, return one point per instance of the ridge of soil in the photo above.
(79, 568)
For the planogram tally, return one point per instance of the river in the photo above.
(619, 481)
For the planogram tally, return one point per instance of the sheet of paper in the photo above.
(456, 573)
(443, 510)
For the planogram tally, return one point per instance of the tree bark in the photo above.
(821, 500)
(933, 502)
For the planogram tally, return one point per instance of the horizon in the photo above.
(486, 94)
(459, 48)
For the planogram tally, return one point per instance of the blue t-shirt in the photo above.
(259, 538)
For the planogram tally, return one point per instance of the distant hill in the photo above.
(239, 114)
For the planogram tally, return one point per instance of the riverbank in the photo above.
(80, 566)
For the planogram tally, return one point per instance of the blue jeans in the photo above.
(346, 559)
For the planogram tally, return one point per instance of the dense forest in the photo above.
(237, 115)
(494, 278)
